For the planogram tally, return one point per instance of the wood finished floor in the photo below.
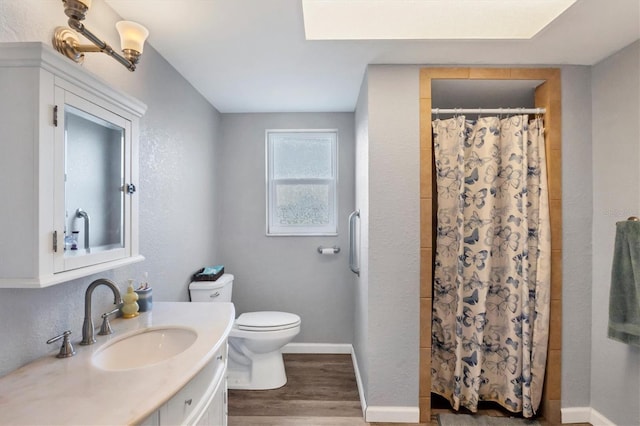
(321, 390)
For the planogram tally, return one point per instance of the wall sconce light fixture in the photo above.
(65, 41)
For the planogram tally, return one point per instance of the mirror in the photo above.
(94, 181)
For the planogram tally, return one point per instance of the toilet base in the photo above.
(264, 371)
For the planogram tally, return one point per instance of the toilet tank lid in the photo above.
(267, 319)
(210, 285)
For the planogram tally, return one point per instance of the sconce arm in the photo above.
(100, 46)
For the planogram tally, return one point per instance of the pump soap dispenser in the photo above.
(130, 306)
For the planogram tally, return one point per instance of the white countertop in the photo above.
(71, 391)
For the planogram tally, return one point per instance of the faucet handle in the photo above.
(66, 350)
(105, 328)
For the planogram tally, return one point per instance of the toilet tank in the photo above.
(212, 291)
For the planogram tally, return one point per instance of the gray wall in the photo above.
(615, 367)
(178, 218)
(390, 234)
(278, 272)
(576, 235)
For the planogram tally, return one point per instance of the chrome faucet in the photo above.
(87, 325)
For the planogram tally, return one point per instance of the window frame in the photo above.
(273, 230)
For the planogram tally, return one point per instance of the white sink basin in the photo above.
(144, 348)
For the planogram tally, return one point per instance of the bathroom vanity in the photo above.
(68, 169)
(164, 367)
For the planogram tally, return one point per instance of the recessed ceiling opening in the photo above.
(428, 19)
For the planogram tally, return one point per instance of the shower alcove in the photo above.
(491, 88)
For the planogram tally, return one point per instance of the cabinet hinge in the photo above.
(55, 115)
(55, 241)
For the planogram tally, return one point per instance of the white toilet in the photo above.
(255, 360)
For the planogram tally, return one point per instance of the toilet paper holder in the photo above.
(329, 250)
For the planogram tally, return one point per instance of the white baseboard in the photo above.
(598, 419)
(317, 348)
(393, 414)
(584, 415)
(576, 414)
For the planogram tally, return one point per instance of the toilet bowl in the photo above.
(255, 341)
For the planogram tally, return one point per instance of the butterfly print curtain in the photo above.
(492, 267)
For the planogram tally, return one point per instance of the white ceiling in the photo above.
(252, 56)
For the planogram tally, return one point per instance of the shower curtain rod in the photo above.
(488, 110)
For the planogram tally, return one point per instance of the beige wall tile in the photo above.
(425, 372)
(555, 325)
(425, 83)
(425, 322)
(554, 161)
(426, 272)
(453, 73)
(425, 410)
(533, 73)
(551, 412)
(426, 174)
(556, 274)
(555, 207)
(426, 222)
(489, 73)
(552, 390)
(425, 125)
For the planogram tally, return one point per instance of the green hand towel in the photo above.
(624, 296)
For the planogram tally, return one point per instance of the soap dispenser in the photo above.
(130, 307)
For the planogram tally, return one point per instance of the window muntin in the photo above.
(301, 182)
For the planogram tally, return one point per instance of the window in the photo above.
(301, 182)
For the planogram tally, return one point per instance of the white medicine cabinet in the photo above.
(69, 170)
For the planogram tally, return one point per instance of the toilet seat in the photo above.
(267, 321)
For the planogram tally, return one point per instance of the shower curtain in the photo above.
(492, 266)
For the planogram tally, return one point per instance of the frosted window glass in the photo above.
(302, 204)
(301, 182)
(294, 157)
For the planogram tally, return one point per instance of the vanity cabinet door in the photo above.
(216, 415)
(92, 209)
(201, 401)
